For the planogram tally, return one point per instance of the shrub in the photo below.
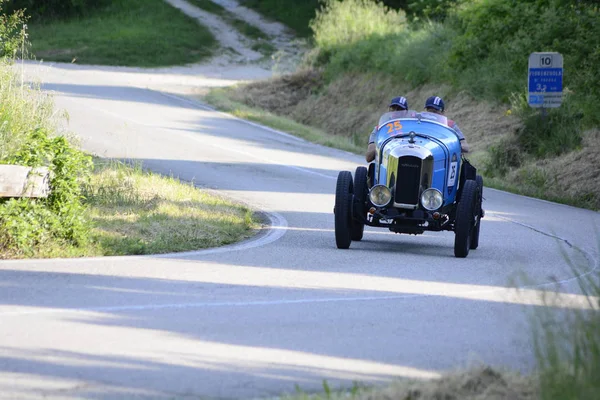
(54, 8)
(12, 31)
(495, 37)
(295, 14)
(27, 138)
(350, 21)
(502, 157)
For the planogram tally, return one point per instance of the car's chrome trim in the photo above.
(406, 206)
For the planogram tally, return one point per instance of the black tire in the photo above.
(479, 180)
(478, 213)
(465, 217)
(343, 210)
(360, 197)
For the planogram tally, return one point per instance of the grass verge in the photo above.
(295, 14)
(479, 383)
(145, 33)
(220, 98)
(133, 212)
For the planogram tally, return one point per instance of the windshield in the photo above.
(412, 114)
(400, 123)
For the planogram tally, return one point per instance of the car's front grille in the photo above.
(408, 180)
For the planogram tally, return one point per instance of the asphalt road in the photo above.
(286, 307)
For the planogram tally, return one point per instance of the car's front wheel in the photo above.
(344, 199)
(360, 196)
(478, 213)
(465, 219)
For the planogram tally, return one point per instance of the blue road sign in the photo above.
(545, 80)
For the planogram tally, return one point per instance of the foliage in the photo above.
(293, 13)
(12, 31)
(502, 156)
(28, 223)
(28, 138)
(336, 24)
(498, 35)
(54, 8)
(435, 10)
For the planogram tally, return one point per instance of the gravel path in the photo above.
(236, 48)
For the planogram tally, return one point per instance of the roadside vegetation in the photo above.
(95, 206)
(478, 383)
(144, 33)
(295, 14)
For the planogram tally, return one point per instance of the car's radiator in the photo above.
(408, 180)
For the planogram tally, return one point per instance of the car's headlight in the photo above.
(432, 199)
(380, 195)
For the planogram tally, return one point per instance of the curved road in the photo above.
(286, 307)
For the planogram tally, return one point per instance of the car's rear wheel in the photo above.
(465, 218)
(360, 198)
(344, 199)
(478, 213)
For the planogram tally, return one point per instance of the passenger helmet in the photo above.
(400, 102)
(436, 103)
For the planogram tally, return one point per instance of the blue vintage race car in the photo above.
(419, 181)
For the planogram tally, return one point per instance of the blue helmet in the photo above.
(435, 102)
(400, 102)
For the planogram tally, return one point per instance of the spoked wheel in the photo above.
(344, 199)
(478, 213)
(360, 199)
(465, 219)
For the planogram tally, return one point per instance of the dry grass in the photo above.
(350, 105)
(573, 177)
(483, 383)
(280, 95)
(223, 100)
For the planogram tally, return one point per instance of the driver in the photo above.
(435, 105)
(397, 104)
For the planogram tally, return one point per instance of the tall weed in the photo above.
(567, 345)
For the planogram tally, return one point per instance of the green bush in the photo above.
(503, 156)
(350, 21)
(26, 223)
(359, 35)
(553, 133)
(295, 14)
(12, 31)
(495, 37)
(54, 8)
